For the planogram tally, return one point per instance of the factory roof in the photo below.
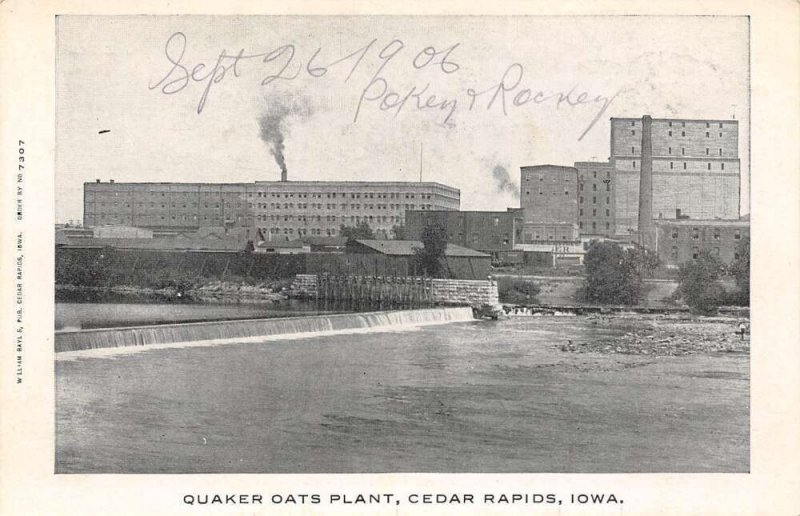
(407, 248)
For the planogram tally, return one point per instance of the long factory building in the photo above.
(285, 209)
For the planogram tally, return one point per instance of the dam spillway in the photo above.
(253, 328)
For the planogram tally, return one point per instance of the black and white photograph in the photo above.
(402, 244)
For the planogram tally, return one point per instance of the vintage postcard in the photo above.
(387, 260)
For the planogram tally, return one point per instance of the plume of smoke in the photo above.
(503, 182)
(273, 124)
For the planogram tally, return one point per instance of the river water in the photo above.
(76, 316)
(460, 397)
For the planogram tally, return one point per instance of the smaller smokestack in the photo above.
(96, 180)
(111, 180)
(284, 175)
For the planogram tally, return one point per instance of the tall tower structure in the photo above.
(692, 167)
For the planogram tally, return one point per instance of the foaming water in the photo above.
(67, 356)
(108, 342)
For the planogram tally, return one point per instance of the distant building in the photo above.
(596, 200)
(459, 262)
(287, 210)
(691, 166)
(549, 202)
(680, 241)
(283, 247)
(121, 232)
(488, 231)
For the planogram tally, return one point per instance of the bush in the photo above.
(740, 269)
(430, 257)
(517, 291)
(699, 286)
(613, 276)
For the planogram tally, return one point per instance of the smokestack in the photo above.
(646, 185)
(284, 175)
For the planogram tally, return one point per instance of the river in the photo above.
(460, 397)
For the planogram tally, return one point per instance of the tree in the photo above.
(399, 232)
(430, 258)
(613, 276)
(698, 283)
(362, 231)
(740, 269)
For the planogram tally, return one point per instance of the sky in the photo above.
(377, 98)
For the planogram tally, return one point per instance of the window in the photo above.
(580, 212)
(670, 150)
(716, 234)
(737, 235)
(683, 133)
(594, 187)
(720, 125)
(608, 225)
(634, 164)
(580, 225)
(670, 133)
(708, 134)
(683, 124)
(695, 253)
(684, 165)
(594, 200)
(608, 200)
(581, 200)
(671, 164)
(670, 124)
(722, 166)
(594, 212)
(594, 173)
(633, 133)
(674, 252)
(720, 151)
(683, 151)
(566, 192)
(706, 151)
(594, 225)
(608, 212)
(720, 135)
(709, 166)
(633, 151)
(608, 187)
(580, 187)
(674, 233)
(708, 125)
(633, 124)
(695, 233)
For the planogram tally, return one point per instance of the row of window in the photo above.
(594, 200)
(683, 124)
(594, 212)
(285, 195)
(594, 187)
(683, 134)
(594, 225)
(328, 218)
(672, 165)
(696, 252)
(594, 174)
(737, 235)
(299, 231)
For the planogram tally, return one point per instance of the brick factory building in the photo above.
(690, 167)
(549, 202)
(285, 210)
(596, 200)
(680, 241)
(488, 231)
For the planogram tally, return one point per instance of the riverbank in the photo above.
(215, 292)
